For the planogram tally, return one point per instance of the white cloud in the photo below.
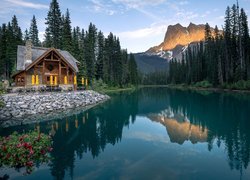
(139, 3)
(100, 7)
(27, 4)
(183, 3)
(153, 30)
(41, 35)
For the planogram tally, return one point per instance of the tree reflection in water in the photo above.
(214, 118)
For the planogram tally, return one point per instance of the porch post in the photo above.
(60, 71)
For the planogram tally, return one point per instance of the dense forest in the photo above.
(101, 58)
(222, 60)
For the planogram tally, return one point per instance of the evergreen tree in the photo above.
(66, 33)
(132, 67)
(53, 29)
(244, 34)
(117, 62)
(34, 32)
(227, 36)
(26, 35)
(125, 71)
(100, 56)
(81, 57)
(90, 50)
(3, 48)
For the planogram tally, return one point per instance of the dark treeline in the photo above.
(100, 57)
(224, 57)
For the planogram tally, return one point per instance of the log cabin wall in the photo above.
(20, 79)
(50, 70)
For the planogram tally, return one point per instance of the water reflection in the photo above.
(212, 118)
(180, 129)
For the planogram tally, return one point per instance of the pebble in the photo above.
(22, 106)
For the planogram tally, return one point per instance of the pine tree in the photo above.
(100, 56)
(90, 50)
(14, 38)
(125, 72)
(3, 47)
(227, 35)
(33, 33)
(26, 35)
(66, 32)
(53, 21)
(132, 67)
(244, 34)
(81, 58)
(235, 64)
(117, 62)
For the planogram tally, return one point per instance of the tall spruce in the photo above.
(66, 32)
(3, 48)
(26, 35)
(33, 33)
(244, 34)
(132, 67)
(90, 50)
(54, 26)
(100, 56)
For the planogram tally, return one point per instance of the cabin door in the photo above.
(52, 80)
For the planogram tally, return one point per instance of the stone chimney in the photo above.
(28, 53)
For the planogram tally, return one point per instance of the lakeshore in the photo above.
(27, 108)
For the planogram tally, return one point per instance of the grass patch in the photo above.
(101, 87)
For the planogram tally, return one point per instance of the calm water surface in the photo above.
(152, 133)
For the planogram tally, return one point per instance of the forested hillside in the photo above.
(223, 60)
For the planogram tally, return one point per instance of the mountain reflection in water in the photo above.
(215, 119)
(182, 131)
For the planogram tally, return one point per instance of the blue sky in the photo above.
(139, 24)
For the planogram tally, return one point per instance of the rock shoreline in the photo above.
(23, 108)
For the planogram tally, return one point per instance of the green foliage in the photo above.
(10, 37)
(66, 32)
(99, 85)
(25, 150)
(53, 31)
(132, 67)
(203, 84)
(33, 33)
(240, 85)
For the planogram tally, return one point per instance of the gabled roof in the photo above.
(39, 51)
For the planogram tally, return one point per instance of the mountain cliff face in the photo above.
(177, 35)
(176, 41)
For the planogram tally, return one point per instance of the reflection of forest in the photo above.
(194, 116)
(90, 131)
(225, 115)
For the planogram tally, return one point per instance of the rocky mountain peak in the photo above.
(179, 35)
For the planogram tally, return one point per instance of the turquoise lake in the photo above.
(150, 133)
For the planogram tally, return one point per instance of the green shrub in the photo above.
(203, 84)
(240, 85)
(99, 85)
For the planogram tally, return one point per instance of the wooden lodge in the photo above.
(38, 66)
